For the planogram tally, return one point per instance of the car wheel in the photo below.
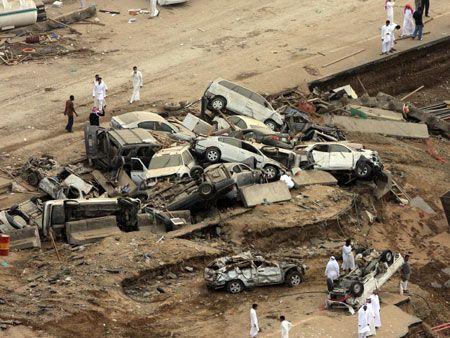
(363, 170)
(387, 256)
(218, 103)
(271, 124)
(272, 172)
(235, 286)
(33, 179)
(294, 278)
(212, 155)
(196, 172)
(206, 190)
(356, 289)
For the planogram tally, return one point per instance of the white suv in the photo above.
(334, 156)
(229, 149)
(223, 94)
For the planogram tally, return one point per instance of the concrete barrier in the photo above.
(91, 230)
(265, 193)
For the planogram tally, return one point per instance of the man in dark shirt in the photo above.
(70, 112)
(418, 31)
(405, 272)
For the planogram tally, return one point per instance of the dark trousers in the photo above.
(426, 6)
(69, 124)
(330, 284)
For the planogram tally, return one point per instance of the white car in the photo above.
(229, 149)
(175, 162)
(223, 94)
(335, 156)
(240, 122)
(151, 121)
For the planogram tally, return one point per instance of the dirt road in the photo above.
(264, 44)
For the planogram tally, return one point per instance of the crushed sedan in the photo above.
(235, 273)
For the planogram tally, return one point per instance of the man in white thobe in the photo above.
(392, 27)
(254, 326)
(99, 94)
(154, 12)
(331, 272)
(286, 326)
(348, 260)
(385, 38)
(370, 318)
(389, 6)
(138, 82)
(363, 326)
(376, 308)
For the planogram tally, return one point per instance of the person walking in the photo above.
(370, 318)
(99, 94)
(286, 326)
(376, 308)
(426, 7)
(348, 260)
(385, 38)
(408, 21)
(94, 117)
(389, 7)
(363, 325)
(254, 326)
(331, 272)
(70, 112)
(418, 20)
(405, 272)
(138, 82)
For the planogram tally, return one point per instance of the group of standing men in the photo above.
(412, 23)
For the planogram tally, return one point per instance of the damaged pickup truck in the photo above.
(372, 271)
(236, 273)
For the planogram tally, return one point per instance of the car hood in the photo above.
(161, 172)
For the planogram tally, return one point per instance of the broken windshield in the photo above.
(165, 161)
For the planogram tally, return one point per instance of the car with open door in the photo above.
(341, 156)
(222, 148)
(222, 94)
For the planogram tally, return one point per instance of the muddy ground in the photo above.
(113, 288)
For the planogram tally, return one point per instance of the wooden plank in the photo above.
(343, 58)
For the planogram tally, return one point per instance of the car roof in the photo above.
(250, 120)
(138, 116)
(172, 150)
(132, 136)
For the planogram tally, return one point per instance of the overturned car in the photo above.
(235, 273)
(373, 269)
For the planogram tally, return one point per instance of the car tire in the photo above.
(218, 103)
(387, 256)
(33, 179)
(272, 172)
(196, 172)
(363, 170)
(206, 190)
(356, 289)
(235, 286)
(212, 154)
(272, 124)
(293, 278)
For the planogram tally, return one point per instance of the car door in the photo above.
(321, 156)
(261, 108)
(268, 272)
(226, 89)
(188, 160)
(231, 149)
(250, 151)
(243, 105)
(341, 157)
(138, 170)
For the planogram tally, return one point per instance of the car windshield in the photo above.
(165, 161)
